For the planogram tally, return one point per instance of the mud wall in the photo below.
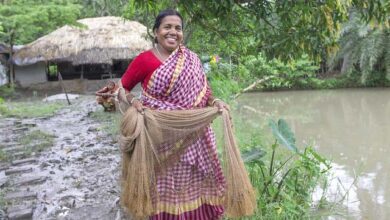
(26, 75)
(72, 86)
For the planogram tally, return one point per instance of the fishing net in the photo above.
(142, 136)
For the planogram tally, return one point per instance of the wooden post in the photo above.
(63, 87)
(82, 72)
(11, 64)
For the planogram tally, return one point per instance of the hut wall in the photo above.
(73, 86)
(3, 75)
(31, 74)
(3, 67)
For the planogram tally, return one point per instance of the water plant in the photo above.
(285, 186)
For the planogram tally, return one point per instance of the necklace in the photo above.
(158, 51)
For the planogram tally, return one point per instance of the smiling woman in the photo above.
(193, 186)
(168, 35)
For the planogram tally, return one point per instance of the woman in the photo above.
(105, 96)
(173, 79)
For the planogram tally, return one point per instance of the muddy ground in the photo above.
(75, 178)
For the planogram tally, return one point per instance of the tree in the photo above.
(282, 29)
(365, 47)
(98, 8)
(23, 21)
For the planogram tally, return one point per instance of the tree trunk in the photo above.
(346, 63)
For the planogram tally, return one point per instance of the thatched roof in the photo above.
(102, 40)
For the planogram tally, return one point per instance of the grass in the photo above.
(33, 142)
(3, 155)
(2, 200)
(37, 141)
(29, 109)
(109, 121)
(6, 91)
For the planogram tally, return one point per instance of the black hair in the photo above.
(163, 14)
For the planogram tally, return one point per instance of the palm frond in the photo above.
(363, 46)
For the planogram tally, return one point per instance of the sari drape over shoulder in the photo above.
(170, 163)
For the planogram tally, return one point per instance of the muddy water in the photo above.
(351, 127)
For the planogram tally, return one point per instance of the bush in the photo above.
(6, 91)
(228, 79)
(224, 81)
(297, 74)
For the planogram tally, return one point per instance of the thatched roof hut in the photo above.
(101, 41)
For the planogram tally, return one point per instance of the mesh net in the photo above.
(141, 141)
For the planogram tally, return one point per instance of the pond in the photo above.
(350, 126)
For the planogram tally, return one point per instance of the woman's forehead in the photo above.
(171, 19)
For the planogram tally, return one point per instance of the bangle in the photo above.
(212, 103)
(132, 100)
(132, 97)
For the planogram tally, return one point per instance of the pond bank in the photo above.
(349, 126)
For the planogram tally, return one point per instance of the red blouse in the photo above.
(140, 70)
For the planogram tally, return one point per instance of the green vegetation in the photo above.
(23, 21)
(295, 41)
(365, 48)
(263, 45)
(33, 142)
(98, 8)
(3, 155)
(285, 178)
(332, 38)
(283, 29)
(109, 121)
(227, 79)
(285, 187)
(2, 200)
(38, 140)
(298, 73)
(283, 174)
(29, 109)
(6, 91)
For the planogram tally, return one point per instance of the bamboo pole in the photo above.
(63, 87)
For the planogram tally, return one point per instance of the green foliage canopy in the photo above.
(98, 8)
(364, 47)
(282, 29)
(23, 21)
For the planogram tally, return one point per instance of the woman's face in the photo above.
(170, 34)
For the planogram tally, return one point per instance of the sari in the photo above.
(184, 189)
(189, 184)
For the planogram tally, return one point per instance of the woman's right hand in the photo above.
(137, 104)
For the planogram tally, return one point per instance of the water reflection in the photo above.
(352, 127)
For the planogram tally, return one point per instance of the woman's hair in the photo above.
(163, 14)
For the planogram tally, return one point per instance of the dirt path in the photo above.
(76, 178)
